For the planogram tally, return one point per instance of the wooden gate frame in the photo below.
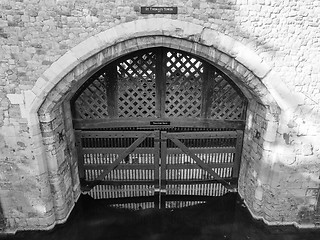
(174, 137)
(160, 152)
(161, 89)
(141, 136)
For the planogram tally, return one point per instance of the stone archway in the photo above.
(49, 113)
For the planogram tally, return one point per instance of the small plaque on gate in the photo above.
(160, 123)
(159, 10)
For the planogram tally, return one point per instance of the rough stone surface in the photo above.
(43, 42)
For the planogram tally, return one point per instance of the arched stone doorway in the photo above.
(189, 115)
(51, 120)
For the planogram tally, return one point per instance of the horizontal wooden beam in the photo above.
(196, 166)
(147, 123)
(117, 182)
(107, 150)
(115, 134)
(150, 150)
(203, 135)
(203, 150)
(231, 181)
(134, 166)
(129, 166)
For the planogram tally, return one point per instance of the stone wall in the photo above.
(280, 166)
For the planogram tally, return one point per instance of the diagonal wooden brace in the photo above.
(201, 163)
(115, 163)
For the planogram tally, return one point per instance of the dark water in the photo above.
(220, 218)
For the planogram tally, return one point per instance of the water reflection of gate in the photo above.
(158, 164)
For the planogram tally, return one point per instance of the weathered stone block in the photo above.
(210, 38)
(48, 221)
(33, 222)
(270, 134)
(86, 49)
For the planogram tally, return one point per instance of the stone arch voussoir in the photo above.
(227, 52)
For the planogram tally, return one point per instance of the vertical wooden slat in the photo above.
(163, 165)
(80, 155)
(156, 172)
(236, 165)
(160, 82)
(112, 90)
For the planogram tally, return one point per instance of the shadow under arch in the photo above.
(50, 118)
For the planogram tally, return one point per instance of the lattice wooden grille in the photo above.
(225, 102)
(160, 82)
(183, 85)
(92, 103)
(137, 86)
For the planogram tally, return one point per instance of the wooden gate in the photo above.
(158, 164)
(158, 122)
(116, 164)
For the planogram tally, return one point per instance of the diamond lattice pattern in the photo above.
(136, 86)
(183, 85)
(225, 102)
(92, 103)
(135, 78)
